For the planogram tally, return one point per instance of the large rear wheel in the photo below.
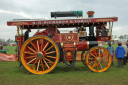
(98, 59)
(40, 54)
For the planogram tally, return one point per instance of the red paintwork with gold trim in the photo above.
(65, 21)
(20, 41)
(107, 38)
(19, 38)
(69, 53)
(82, 45)
(66, 37)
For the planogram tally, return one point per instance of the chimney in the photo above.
(90, 13)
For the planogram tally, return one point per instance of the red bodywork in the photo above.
(69, 41)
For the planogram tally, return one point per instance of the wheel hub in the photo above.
(39, 54)
(99, 59)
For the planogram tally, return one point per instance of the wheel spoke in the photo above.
(95, 53)
(38, 65)
(101, 66)
(32, 49)
(34, 63)
(97, 67)
(50, 52)
(42, 65)
(30, 57)
(94, 65)
(91, 62)
(99, 52)
(33, 46)
(48, 60)
(49, 48)
(104, 64)
(50, 56)
(101, 55)
(46, 63)
(31, 60)
(45, 46)
(92, 55)
(38, 45)
(27, 52)
(42, 43)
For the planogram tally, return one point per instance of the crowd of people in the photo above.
(121, 53)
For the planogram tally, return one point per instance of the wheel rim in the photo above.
(98, 59)
(39, 54)
(83, 57)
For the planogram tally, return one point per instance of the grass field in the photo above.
(11, 74)
(11, 49)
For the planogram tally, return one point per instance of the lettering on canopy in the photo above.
(20, 23)
(104, 20)
(60, 21)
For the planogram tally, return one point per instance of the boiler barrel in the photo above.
(85, 45)
(67, 14)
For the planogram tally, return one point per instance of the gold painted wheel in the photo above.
(83, 57)
(40, 54)
(98, 59)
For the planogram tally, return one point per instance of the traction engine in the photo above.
(41, 52)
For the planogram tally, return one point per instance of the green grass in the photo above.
(11, 74)
(11, 49)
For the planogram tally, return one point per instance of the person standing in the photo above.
(1, 46)
(111, 50)
(120, 51)
(126, 50)
(26, 36)
(127, 47)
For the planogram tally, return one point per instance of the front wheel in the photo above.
(98, 59)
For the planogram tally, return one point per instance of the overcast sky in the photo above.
(22, 9)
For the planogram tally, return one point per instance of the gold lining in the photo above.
(61, 45)
(87, 44)
(67, 37)
(21, 31)
(74, 44)
(18, 33)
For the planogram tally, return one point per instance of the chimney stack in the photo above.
(90, 13)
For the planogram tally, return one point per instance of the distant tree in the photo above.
(9, 40)
(125, 36)
(2, 40)
(121, 37)
(12, 41)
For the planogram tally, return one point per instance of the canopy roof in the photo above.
(61, 23)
